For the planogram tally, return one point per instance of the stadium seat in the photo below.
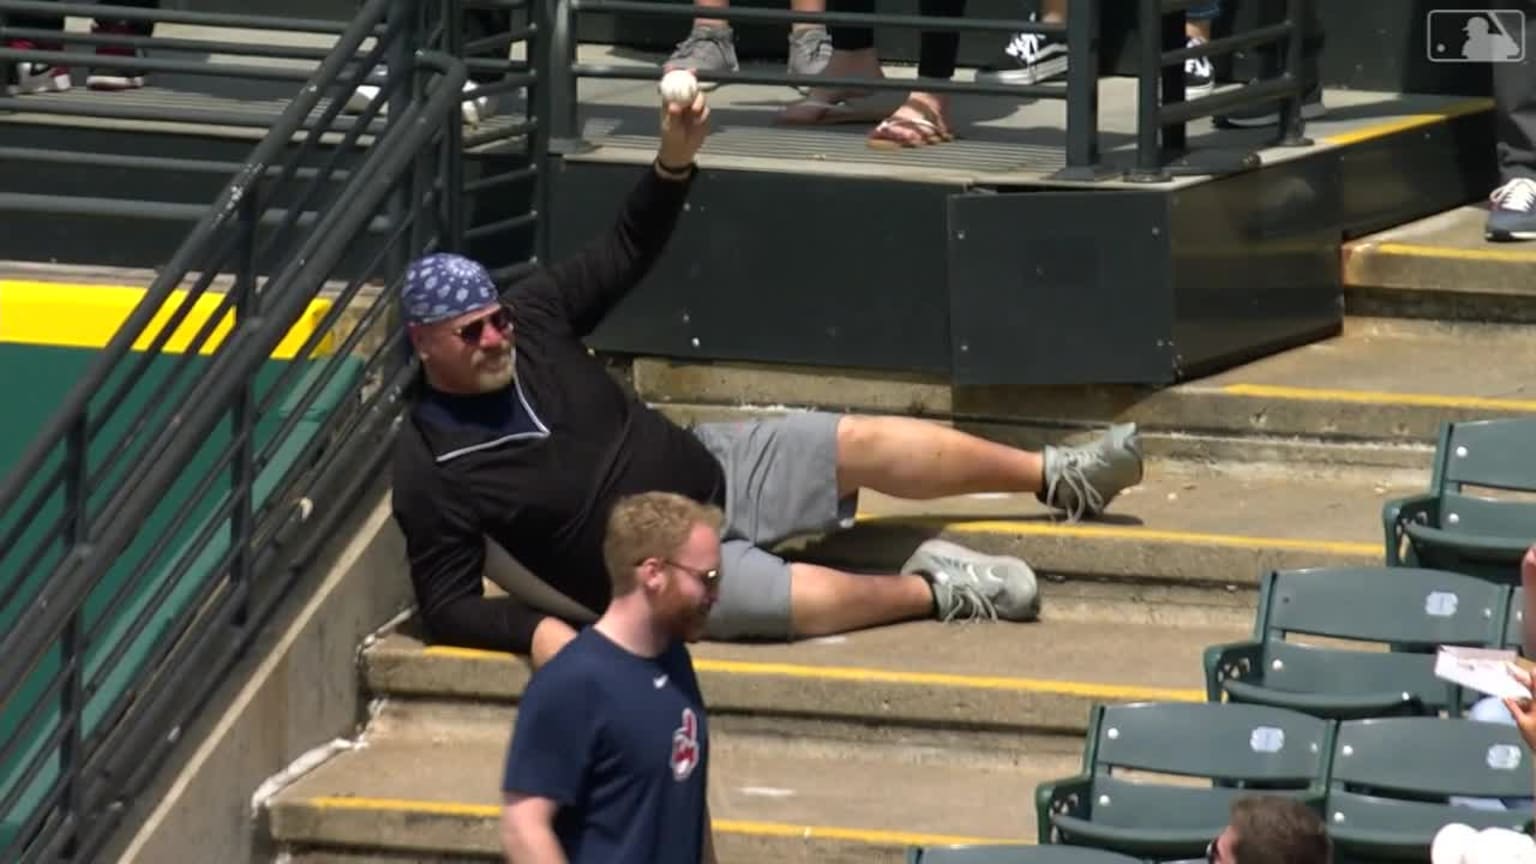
(1514, 629)
(1409, 609)
(1213, 752)
(1392, 779)
(1449, 527)
(1014, 854)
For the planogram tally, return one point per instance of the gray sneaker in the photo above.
(707, 49)
(970, 585)
(1083, 480)
(809, 51)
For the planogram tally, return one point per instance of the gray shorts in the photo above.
(780, 482)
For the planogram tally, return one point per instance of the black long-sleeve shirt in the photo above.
(537, 467)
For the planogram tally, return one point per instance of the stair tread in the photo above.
(1382, 380)
(1076, 653)
(1444, 252)
(1191, 499)
(427, 763)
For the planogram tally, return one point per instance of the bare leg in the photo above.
(802, 6)
(824, 601)
(711, 22)
(1200, 28)
(1050, 10)
(917, 459)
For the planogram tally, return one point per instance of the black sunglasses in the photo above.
(501, 319)
(710, 578)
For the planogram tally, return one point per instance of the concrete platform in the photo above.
(1442, 266)
(908, 683)
(428, 776)
(1381, 383)
(1000, 141)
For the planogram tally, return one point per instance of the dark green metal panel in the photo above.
(1064, 287)
(42, 375)
(777, 268)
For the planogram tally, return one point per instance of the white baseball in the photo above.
(679, 86)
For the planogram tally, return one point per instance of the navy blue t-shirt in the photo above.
(621, 743)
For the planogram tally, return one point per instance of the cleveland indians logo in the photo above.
(685, 747)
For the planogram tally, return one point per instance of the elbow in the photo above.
(513, 838)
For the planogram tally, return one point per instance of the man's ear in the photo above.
(418, 340)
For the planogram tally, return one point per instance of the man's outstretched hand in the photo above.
(683, 129)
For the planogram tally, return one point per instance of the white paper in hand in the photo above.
(1485, 670)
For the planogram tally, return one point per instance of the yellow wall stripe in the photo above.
(864, 675)
(1369, 397)
(1410, 121)
(1137, 535)
(87, 316)
(727, 826)
(1423, 250)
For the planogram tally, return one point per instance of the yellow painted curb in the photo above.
(1370, 397)
(87, 316)
(871, 836)
(863, 675)
(1409, 121)
(1454, 253)
(1116, 532)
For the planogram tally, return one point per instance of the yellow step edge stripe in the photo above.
(87, 316)
(1424, 250)
(1116, 532)
(1369, 397)
(863, 675)
(727, 826)
(1409, 121)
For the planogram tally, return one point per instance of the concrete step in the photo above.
(1187, 526)
(971, 683)
(1441, 267)
(425, 783)
(1375, 395)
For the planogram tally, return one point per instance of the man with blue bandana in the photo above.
(520, 441)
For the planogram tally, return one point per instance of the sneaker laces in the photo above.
(1072, 473)
(967, 600)
(817, 43)
(700, 39)
(1517, 194)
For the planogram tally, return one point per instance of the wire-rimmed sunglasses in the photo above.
(710, 578)
(472, 332)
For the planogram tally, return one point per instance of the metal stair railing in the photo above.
(191, 476)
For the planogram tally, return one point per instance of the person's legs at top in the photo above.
(923, 118)
(1312, 41)
(853, 55)
(1029, 58)
(1512, 214)
(28, 76)
(710, 45)
(120, 77)
(1199, 75)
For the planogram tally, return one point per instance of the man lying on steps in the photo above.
(520, 437)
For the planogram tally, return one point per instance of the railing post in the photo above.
(1082, 91)
(1292, 126)
(541, 117)
(71, 640)
(242, 471)
(451, 167)
(559, 81)
(1149, 161)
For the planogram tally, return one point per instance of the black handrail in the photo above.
(234, 521)
(1080, 90)
(1162, 111)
